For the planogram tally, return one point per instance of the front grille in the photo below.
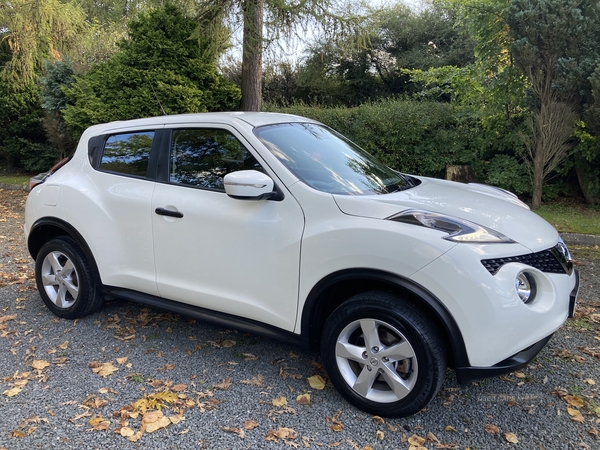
(546, 261)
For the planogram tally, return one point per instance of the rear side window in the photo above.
(202, 157)
(127, 153)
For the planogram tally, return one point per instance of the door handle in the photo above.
(168, 212)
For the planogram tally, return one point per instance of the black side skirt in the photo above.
(207, 315)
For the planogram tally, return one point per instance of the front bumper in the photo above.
(515, 362)
(519, 360)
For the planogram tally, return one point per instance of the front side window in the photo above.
(202, 157)
(127, 153)
(325, 160)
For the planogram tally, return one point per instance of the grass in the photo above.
(14, 179)
(568, 216)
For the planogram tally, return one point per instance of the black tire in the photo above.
(396, 371)
(64, 279)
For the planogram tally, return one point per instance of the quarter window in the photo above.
(128, 153)
(202, 157)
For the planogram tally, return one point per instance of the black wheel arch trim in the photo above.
(34, 245)
(312, 309)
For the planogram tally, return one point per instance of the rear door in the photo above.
(112, 205)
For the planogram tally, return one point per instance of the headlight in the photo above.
(459, 230)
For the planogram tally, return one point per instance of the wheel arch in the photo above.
(48, 228)
(338, 287)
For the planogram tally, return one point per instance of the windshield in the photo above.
(327, 161)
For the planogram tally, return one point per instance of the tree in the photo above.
(279, 18)
(339, 72)
(22, 141)
(37, 30)
(160, 66)
(551, 46)
(53, 100)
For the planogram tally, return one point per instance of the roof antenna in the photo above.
(156, 96)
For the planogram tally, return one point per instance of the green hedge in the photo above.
(411, 136)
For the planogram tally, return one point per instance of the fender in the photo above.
(315, 308)
(50, 227)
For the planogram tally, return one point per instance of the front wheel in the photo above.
(64, 279)
(383, 355)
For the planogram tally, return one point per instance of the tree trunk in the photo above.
(252, 55)
(538, 177)
(585, 178)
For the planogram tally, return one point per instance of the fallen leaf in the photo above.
(126, 431)
(239, 431)
(416, 440)
(573, 400)
(39, 364)
(98, 423)
(575, 415)
(433, 438)
(380, 435)
(152, 416)
(122, 361)
(163, 422)
(316, 382)
(279, 401)
(104, 369)
(228, 343)
(303, 399)
(378, 419)
(511, 437)
(492, 429)
(335, 423)
(281, 433)
(250, 424)
(12, 392)
(64, 345)
(223, 385)
(7, 318)
(449, 428)
(589, 381)
(17, 434)
(176, 419)
(179, 388)
(258, 380)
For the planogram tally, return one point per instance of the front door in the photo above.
(239, 257)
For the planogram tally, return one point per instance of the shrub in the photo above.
(411, 136)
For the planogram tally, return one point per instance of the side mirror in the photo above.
(249, 185)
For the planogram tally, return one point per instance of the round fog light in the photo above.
(525, 286)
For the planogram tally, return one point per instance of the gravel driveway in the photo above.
(132, 377)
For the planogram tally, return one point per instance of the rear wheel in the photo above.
(64, 279)
(383, 355)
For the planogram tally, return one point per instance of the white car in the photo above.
(275, 224)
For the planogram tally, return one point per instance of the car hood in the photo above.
(480, 204)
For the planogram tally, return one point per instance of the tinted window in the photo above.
(128, 153)
(202, 157)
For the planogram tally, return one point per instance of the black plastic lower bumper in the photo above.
(515, 362)
(573, 296)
